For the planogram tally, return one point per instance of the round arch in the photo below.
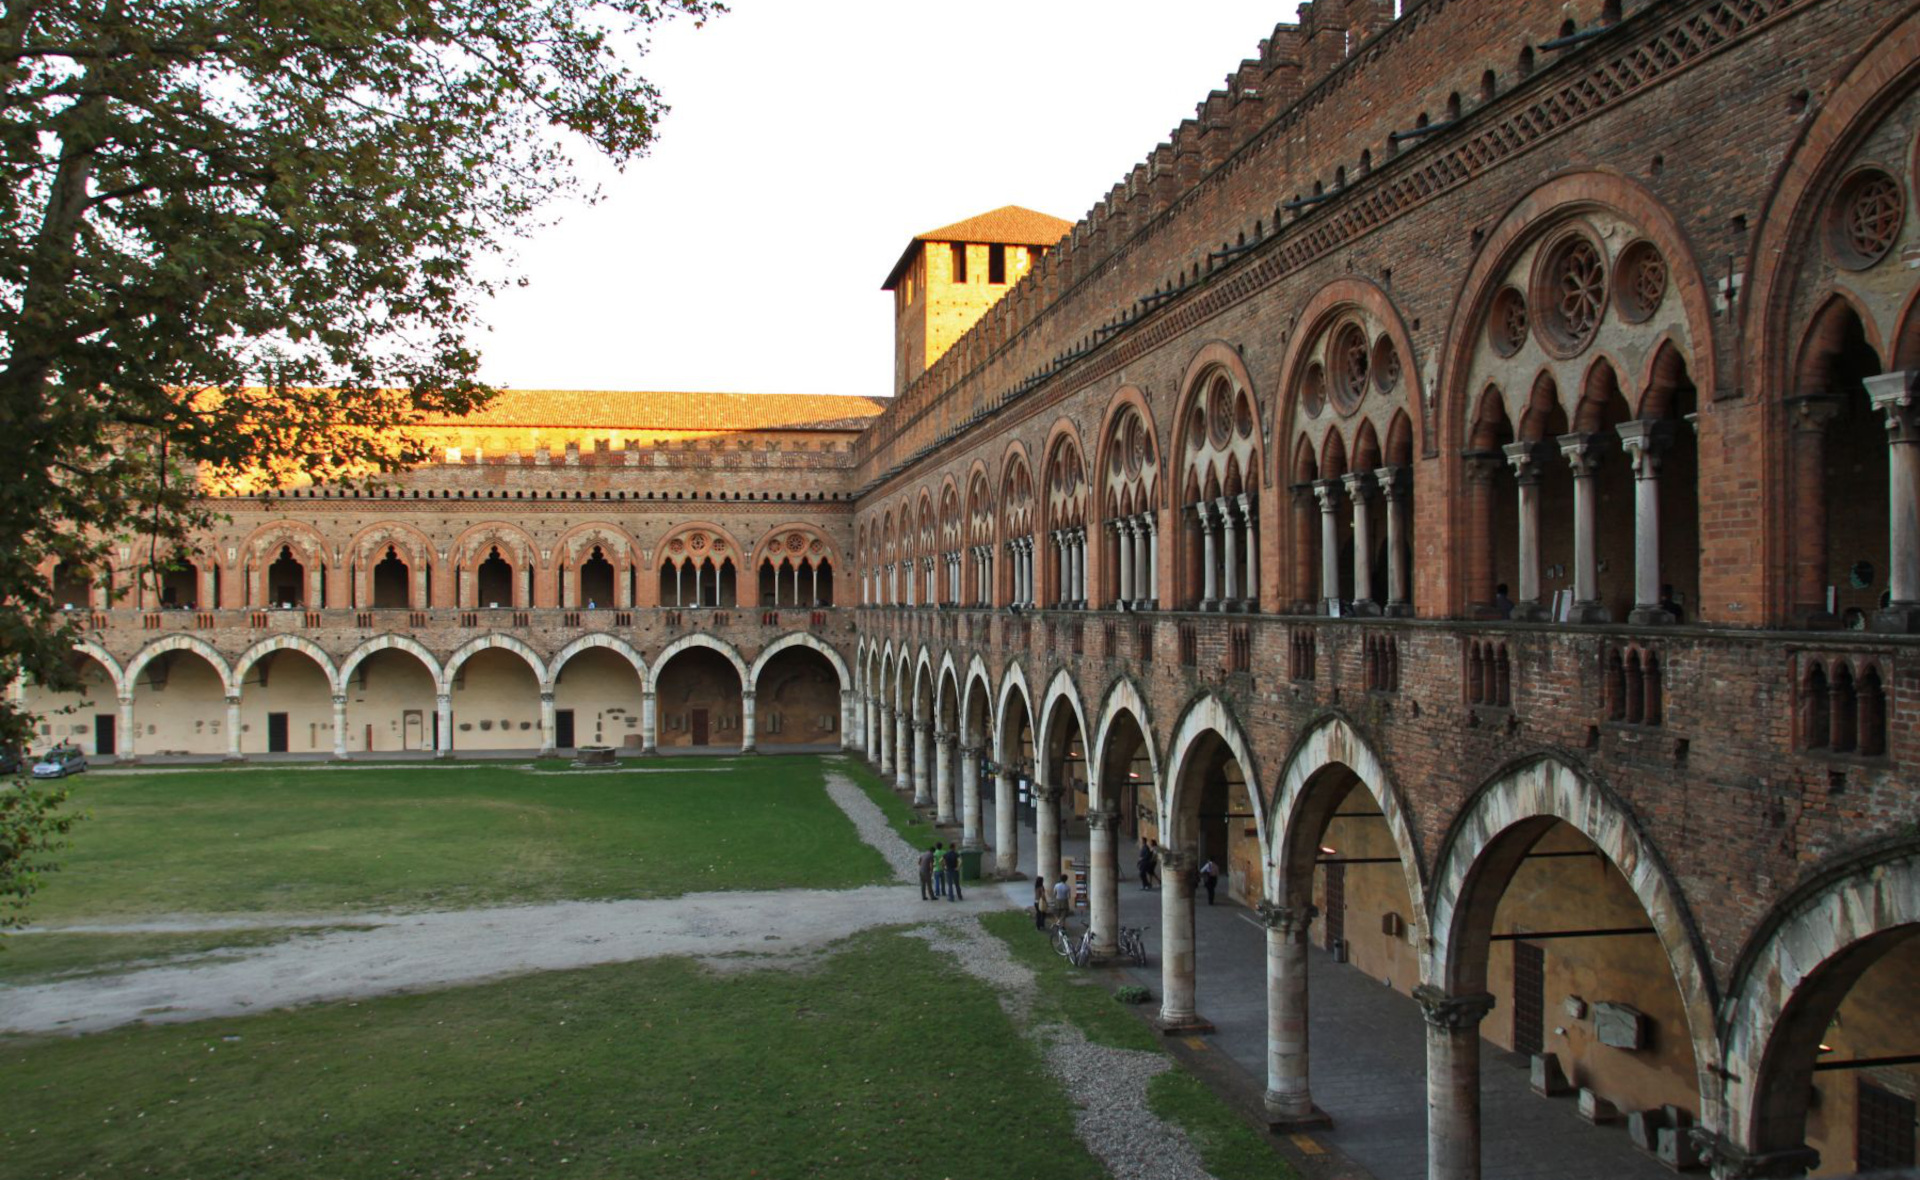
(1482, 848)
(475, 646)
(99, 655)
(192, 643)
(1123, 696)
(1332, 741)
(697, 639)
(336, 682)
(1206, 714)
(798, 639)
(596, 639)
(1854, 906)
(381, 643)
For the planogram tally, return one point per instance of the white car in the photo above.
(60, 762)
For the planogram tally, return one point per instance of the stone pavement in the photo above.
(1369, 1051)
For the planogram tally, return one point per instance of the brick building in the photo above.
(1465, 483)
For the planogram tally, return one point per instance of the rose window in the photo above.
(1643, 282)
(1507, 326)
(1347, 361)
(1220, 413)
(1868, 218)
(1386, 364)
(1572, 294)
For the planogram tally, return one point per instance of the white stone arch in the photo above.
(1871, 899)
(1014, 677)
(478, 644)
(299, 643)
(922, 670)
(1123, 695)
(1538, 791)
(698, 639)
(597, 639)
(192, 643)
(976, 675)
(799, 639)
(100, 655)
(1206, 714)
(947, 668)
(1332, 741)
(1061, 685)
(387, 642)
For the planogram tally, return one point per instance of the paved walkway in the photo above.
(1369, 1052)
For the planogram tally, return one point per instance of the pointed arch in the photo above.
(1060, 686)
(1332, 741)
(1015, 677)
(698, 639)
(1122, 696)
(480, 643)
(798, 639)
(1205, 715)
(1494, 831)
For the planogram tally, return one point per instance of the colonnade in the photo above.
(1020, 553)
(1070, 560)
(982, 558)
(1359, 489)
(1136, 541)
(1229, 552)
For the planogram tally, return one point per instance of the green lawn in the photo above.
(878, 1061)
(918, 833)
(321, 840)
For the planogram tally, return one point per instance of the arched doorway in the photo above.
(596, 589)
(1124, 814)
(73, 587)
(392, 582)
(287, 580)
(1840, 480)
(797, 699)
(493, 581)
(286, 705)
(390, 703)
(1061, 789)
(596, 700)
(697, 694)
(976, 749)
(1210, 770)
(920, 735)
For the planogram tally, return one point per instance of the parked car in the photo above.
(60, 762)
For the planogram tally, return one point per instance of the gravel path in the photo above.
(1108, 1086)
(872, 825)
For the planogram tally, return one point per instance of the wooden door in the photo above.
(699, 726)
(105, 733)
(563, 729)
(276, 733)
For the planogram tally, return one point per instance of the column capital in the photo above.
(1050, 792)
(943, 736)
(1453, 1013)
(969, 751)
(232, 699)
(1178, 861)
(1103, 821)
(1644, 439)
(1731, 1162)
(1288, 919)
(1327, 491)
(1582, 451)
(339, 700)
(546, 698)
(1480, 466)
(439, 698)
(1394, 481)
(1359, 484)
(1525, 458)
(1897, 395)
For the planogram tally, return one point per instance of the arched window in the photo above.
(287, 580)
(1815, 710)
(392, 585)
(493, 581)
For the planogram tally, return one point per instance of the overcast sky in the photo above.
(809, 140)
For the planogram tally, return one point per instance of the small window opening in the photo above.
(959, 261)
(996, 264)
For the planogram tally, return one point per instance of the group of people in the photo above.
(1051, 904)
(1149, 866)
(940, 872)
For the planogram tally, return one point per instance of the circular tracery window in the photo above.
(1243, 416)
(1347, 365)
(1507, 324)
(1220, 413)
(1866, 218)
(1571, 294)
(1386, 365)
(1641, 282)
(1313, 391)
(1197, 428)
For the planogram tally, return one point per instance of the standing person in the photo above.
(1502, 601)
(1039, 902)
(1147, 863)
(953, 872)
(926, 875)
(1210, 877)
(1062, 899)
(939, 871)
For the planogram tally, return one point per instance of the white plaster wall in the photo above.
(496, 703)
(382, 691)
(53, 725)
(188, 715)
(603, 691)
(286, 681)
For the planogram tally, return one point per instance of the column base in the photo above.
(1729, 1162)
(1589, 612)
(1209, 604)
(1365, 608)
(1901, 618)
(548, 752)
(1650, 616)
(1531, 612)
(1182, 1026)
(1399, 610)
(443, 755)
(1285, 1124)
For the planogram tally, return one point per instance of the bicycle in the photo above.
(1133, 944)
(1074, 950)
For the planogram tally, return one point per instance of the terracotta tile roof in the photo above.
(1009, 225)
(630, 410)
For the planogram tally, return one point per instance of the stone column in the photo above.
(443, 711)
(943, 778)
(123, 736)
(1177, 1012)
(1359, 486)
(1250, 550)
(340, 726)
(233, 725)
(1525, 459)
(1123, 550)
(1046, 832)
(850, 715)
(1080, 567)
(1209, 586)
(1583, 454)
(1727, 1160)
(1103, 881)
(902, 752)
(649, 723)
(1394, 485)
(1644, 440)
(970, 797)
(1006, 829)
(1453, 1081)
(1289, 1097)
(1897, 395)
(1153, 559)
(1327, 491)
(922, 770)
(1142, 562)
(884, 752)
(1230, 561)
(1809, 416)
(749, 725)
(547, 724)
